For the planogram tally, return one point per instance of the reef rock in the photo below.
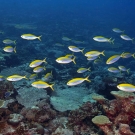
(30, 96)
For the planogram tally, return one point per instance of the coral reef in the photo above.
(80, 119)
(120, 111)
(68, 98)
(25, 94)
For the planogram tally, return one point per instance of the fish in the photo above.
(48, 75)
(65, 60)
(75, 49)
(41, 84)
(122, 68)
(7, 94)
(113, 59)
(58, 44)
(30, 37)
(127, 55)
(126, 87)
(92, 57)
(9, 49)
(77, 81)
(97, 61)
(16, 78)
(2, 78)
(66, 39)
(9, 41)
(36, 63)
(38, 69)
(113, 70)
(33, 76)
(103, 39)
(69, 56)
(94, 53)
(82, 70)
(78, 42)
(118, 30)
(125, 37)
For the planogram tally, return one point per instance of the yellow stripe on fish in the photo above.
(77, 81)
(41, 84)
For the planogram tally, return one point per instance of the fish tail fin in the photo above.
(123, 31)
(15, 42)
(133, 41)
(25, 77)
(51, 73)
(74, 60)
(87, 79)
(15, 49)
(133, 55)
(122, 54)
(44, 68)
(111, 41)
(44, 60)
(39, 37)
(128, 70)
(89, 69)
(103, 53)
(82, 50)
(51, 86)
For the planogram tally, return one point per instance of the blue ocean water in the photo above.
(61, 24)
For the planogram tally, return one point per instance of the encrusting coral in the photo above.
(80, 119)
(119, 111)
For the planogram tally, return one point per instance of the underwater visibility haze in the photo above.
(67, 67)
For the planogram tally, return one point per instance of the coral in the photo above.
(40, 115)
(79, 119)
(15, 119)
(104, 123)
(4, 87)
(119, 111)
(124, 129)
(1, 103)
(62, 131)
(25, 94)
(68, 98)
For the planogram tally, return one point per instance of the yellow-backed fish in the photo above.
(9, 49)
(42, 84)
(33, 76)
(65, 60)
(16, 78)
(126, 87)
(92, 57)
(9, 41)
(69, 56)
(36, 63)
(2, 78)
(103, 39)
(113, 70)
(77, 81)
(30, 37)
(75, 49)
(82, 70)
(127, 55)
(113, 59)
(48, 75)
(38, 69)
(94, 53)
(122, 68)
(118, 30)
